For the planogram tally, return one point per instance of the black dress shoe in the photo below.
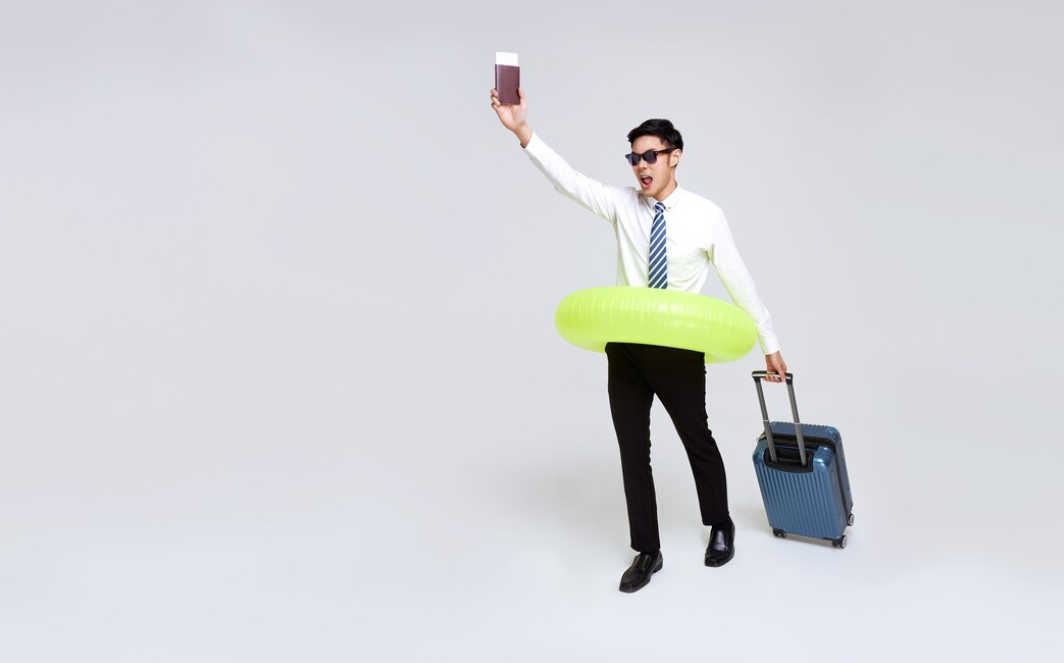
(638, 574)
(721, 544)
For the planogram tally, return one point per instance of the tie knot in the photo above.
(660, 207)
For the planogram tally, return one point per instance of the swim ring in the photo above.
(593, 317)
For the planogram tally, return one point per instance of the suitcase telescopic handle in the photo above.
(760, 375)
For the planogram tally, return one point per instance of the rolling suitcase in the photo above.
(801, 469)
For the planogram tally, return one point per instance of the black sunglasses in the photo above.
(650, 156)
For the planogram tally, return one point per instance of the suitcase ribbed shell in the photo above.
(816, 502)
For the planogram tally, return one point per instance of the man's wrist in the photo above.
(524, 134)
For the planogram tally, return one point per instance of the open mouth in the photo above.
(646, 181)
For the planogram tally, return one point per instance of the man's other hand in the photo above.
(775, 363)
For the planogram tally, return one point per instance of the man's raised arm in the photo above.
(595, 196)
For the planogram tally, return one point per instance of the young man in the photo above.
(667, 237)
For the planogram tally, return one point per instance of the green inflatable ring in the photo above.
(593, 317)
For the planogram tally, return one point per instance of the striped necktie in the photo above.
(659, 276)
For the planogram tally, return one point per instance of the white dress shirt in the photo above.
(697, 235)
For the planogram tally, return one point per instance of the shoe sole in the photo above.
(646, 581)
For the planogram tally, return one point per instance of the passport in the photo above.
(507, 78)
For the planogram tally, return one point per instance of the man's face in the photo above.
(657, 177)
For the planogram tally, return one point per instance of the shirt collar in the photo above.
(670, 202)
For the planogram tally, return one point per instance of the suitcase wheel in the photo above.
(840, 542)
(779, 533)
(849, 520)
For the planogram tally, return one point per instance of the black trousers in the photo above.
(678, 377)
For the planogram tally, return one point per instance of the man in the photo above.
(666, 238)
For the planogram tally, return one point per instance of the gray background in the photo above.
(278, 373)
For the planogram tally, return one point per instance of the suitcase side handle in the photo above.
(760, 375)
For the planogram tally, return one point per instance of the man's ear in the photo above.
(674, 158)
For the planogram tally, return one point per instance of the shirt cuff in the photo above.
(769, 346)
(535, 146)
(768, 341)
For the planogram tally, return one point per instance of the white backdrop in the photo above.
(278, 373)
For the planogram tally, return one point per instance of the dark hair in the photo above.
(662, 129)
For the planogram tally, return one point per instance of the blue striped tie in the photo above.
(659, 275)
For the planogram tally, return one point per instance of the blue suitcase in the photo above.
(801, 469)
